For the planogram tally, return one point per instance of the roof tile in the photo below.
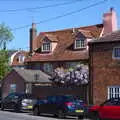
(64, 39)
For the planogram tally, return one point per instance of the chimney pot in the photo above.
(33, 33)
(33, 25)
(111, 9)
(110, 21)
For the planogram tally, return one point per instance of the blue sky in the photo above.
(19, 19)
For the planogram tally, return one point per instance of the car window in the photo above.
(27, 96)
(51, 99)
(9, 97)
(107, 103)
(6, 98)
(71, 98)
(59, 99)
(112, 102)
(15, 97)
(116, 102)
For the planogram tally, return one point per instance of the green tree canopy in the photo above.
(5, 35)
(4, 63)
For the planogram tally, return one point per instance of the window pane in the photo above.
(47, 67)
(116, 52)
(80, 43)
(114, 92)
(46, 46)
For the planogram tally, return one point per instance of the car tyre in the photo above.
(95, 116)
(17, 108)
(2, 106)
(36, 111)
(80, 117)
(61, 114)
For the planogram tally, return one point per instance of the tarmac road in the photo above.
(7, 115)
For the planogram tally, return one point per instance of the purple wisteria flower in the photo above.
(77, 76)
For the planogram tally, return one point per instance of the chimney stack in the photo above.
(109, 21)
(33, 33)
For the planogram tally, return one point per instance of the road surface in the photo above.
(7, 115)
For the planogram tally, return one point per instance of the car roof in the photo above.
(67, 96)
(20, 94)
(115, 99)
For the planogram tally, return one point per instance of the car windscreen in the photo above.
(72, 98)
(28, 96)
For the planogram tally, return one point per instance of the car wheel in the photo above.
(80, 117)
(61, 114)
(95, 116)
(17, 109)
(2, 106)
(36, 111)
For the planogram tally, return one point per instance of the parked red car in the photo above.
(110, 109)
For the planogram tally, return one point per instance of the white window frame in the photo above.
(21, 58)
(71, 64)
(28, 88)
(82, 43)
(12, 88)
(46, 46)
(116, 49)
(113, 92)
(48, 67)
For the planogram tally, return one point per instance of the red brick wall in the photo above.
(104, 70)
(12, 78)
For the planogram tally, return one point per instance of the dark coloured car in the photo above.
(61, 106)
(18, 101)
(110, 109)
(0, 101)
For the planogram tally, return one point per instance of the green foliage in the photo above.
(4, 63)
(5, 35)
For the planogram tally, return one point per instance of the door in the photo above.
(10, 101)
(51, 104)
(6, 102)
(14, 101)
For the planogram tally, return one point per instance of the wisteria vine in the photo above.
(77, 76)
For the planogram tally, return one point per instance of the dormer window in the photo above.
(80, 43)
(46, 46)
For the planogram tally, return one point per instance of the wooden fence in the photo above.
(43, 91)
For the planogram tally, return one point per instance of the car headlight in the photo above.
(26, 102)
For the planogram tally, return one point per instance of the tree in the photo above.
(77, 76)
(5, 35)
(4, 63)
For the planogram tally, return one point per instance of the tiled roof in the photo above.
(65, 56)
(65, 39)
(29, 75)
(110, 37)
(92, 31)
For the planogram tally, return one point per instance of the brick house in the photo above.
(59, 48)
(23, 80)
(105, 67)
(65, 48)
(35, 82)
